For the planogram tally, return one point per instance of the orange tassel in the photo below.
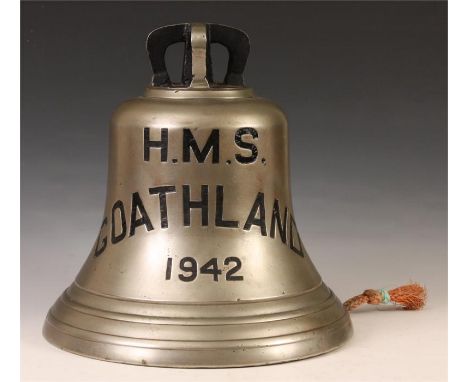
(410, 297)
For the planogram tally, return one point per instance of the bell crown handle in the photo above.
(238, 46)
(197, 65)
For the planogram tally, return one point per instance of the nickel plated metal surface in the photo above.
(198, 262)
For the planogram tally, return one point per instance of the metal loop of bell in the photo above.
(198, 261)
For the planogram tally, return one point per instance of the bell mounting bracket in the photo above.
(197, 66)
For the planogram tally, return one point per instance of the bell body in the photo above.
(198, 262)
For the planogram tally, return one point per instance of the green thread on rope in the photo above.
(385, 296)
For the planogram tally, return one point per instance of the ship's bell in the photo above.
(198, 261)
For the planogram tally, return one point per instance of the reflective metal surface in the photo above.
(198, 262)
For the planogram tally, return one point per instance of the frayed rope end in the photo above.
(410, 297)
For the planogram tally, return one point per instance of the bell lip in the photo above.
(187, 336)
(214, 92)
(203, 359)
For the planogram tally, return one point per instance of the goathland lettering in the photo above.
(131, 218)
(140, 221)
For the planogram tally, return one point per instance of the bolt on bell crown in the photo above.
(198, 261)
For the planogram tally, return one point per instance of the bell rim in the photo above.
(297, 350)
(251, 339)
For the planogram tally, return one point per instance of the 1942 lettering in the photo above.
(190, 269)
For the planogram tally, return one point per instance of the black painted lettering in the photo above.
(137, 205)
(169, 268)
(162, 144)
(162, 191)
(293, 232)
(276, 219)
(246, 145)
(188, 204)
(257, 208)
(101, 244)
(118, 205)
(212, 142)
(219, 210)
(192, 268)
(230, 273)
